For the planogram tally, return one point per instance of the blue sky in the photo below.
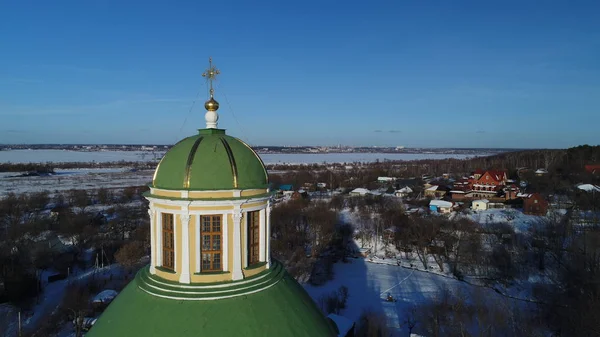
(412, 73)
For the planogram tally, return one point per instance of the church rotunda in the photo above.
(210, 271)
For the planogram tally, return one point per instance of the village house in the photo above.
(359, 192)
(480, 205)
(300, 194)
(593, 169)
(403, 192)
(488, 184)
(308, 187)
(535, 204)
(441, 206)
(510, 192)
(460, 189)
(436, 191)
(478, 173)
(457, 195)
(286, 190)
(588, 188)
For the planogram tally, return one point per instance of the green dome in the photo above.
(281, 308)
(210, 160)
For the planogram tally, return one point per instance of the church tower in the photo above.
(210, 272)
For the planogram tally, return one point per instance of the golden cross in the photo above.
(211, 75)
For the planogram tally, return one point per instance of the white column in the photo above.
(225, 243)
(185, 249)
(176, 248)
(152, 214)
(268, 239)
(244, 245)
(197, 225)
(237, 245)
(159, 243)
(262, 234)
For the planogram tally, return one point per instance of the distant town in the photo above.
(264, 149)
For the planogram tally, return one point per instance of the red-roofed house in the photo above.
(593, 169)
(510, 192)
(488, 184)
(460, 189)
(535, 204)
(478, 173)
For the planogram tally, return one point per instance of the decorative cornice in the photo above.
(203, 292)
(208, 203)
(152, 189)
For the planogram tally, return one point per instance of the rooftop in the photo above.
(281, 309)
(210, 160)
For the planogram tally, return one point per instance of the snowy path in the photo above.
(53, 295)
(399, 283)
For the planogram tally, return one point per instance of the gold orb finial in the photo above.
(211, 104)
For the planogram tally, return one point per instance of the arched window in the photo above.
(211, 242)
(168, 244)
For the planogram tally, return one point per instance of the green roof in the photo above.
(210, 160)
(281, 309)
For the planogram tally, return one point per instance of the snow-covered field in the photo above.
(43, 156)
(520, 221)
(369, 283)
(74, 179)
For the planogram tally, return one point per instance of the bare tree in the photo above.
(38, 200)
(76, 303)
(104, 196)
(322, 222)
(372, 324)
(423, 232)
(80, 199)
(130, 254)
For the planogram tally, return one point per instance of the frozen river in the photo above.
(43, 156)
(318, 158)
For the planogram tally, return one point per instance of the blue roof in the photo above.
(286, 187)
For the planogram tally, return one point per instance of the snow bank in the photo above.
(105, 296)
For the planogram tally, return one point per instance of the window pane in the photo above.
(205, 261)
(217, 261)
(206, 223)
(216, 242)
(216, 225)
(206, 242)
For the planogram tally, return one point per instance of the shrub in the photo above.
(335, 301)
